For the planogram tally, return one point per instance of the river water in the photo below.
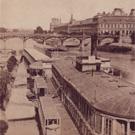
(124, 63)
(16, 43)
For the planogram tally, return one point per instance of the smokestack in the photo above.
(94, 40)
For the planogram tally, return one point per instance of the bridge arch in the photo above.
(105, 41)
(71, 41)
(86, 40)
(53, 40)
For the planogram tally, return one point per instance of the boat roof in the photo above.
(40, 82)
(36, 65)
(49, 108)
(40, 65)
(37, 55)
(105, 93)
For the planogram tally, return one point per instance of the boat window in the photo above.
(40, 72)
(52, 121)
(46, 122)
(108, 126)
(98, 123)
(42, 91)
(33, 73)
(132, 126)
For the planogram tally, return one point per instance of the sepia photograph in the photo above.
(67, 67)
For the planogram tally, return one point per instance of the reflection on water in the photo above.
(129, 77)
(16, 43)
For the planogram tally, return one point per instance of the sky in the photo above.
(32, 13)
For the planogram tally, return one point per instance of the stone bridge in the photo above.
(44, 37)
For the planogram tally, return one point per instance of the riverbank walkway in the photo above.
(19, 107)
(20, 112)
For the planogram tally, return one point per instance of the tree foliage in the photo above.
(2, 29)
(5, 78)
(39, 30)
(11, 63)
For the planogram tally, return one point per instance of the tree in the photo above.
(39, 30)
(2, 29)
(15, 30)
(11, 63)
(5, 78)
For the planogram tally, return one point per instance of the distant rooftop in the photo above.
(115, 12)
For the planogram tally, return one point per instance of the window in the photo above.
(132, 126)
(122, 127)
(52, 121)
(108, 126)
(42, 92)
(92, 119)
(98, 123)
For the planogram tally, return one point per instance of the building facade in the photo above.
(54, 22)
(117, 22)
